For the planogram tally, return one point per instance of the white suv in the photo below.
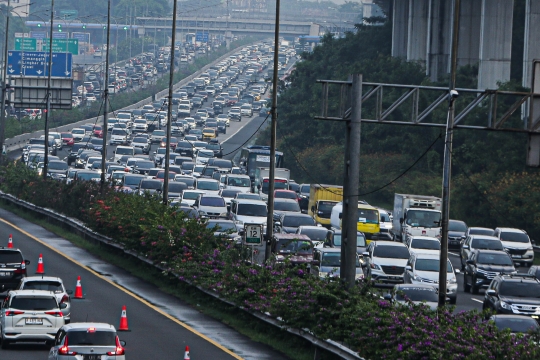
(517, 243)
(30, 315)
(87, 341)
(385, 261)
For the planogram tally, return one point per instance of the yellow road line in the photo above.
(135, 296)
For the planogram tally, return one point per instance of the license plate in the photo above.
(33, 321)
(4, 273)
(516, 256)
(534, 316)
(92, 357)
(527, 308)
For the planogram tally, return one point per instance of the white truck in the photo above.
(261, 184)
(416, 215)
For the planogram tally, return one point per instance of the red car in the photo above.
(67, 139)
(98, 131)
(285, 194)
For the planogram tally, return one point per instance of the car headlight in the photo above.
(239, 222)
(452, 281)
(375, 266)
(506, 305)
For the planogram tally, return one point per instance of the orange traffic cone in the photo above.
(123, 320)
(186, 354)
(40, 269)
(78, 289)
(10, 242)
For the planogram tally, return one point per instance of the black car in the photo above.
(13, 268)
(482, 267)
(517, 294)
(456, 233)
(288, 223)
(184, 148)
(222, 127)
(216, 148)
(218, 107)
(74, 152)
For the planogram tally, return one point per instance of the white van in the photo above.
(123, 150)
(241, 183)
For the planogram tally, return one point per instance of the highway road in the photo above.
(158, 322)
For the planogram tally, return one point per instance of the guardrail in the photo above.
(19, 141)
(99, 239)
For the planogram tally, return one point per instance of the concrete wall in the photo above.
(439, 44)
(495, 42)
(469, 33)
(418, 31)
(531, 44)
(400, 28)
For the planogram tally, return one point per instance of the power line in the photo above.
(256, 131)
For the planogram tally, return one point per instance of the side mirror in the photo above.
(366, 254)
(457, 271)
(69, 292)
(465, 246)
(63, 305)
(387, 297)
(408, 268)
(315, 262)
(491, 292)
(470, 262)
(401, 220)
(277, 223)
(340, 215)
(123, 343)
(313, 209)
(27, 262)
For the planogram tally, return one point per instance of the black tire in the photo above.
(466, 286)
(474, 288)
(453, 301)
(5, 344)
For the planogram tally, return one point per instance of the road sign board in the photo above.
(69, 14)
(201, 36)
(36, 63)
(62, 45)
(59, 35)
(253, 234)
(26, 44)
(81, 36)
(38, 34)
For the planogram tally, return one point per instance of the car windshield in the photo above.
(248, 196)
(54, 286)
(431, 265)
(514, 237)
(187, 181)
(458, 226)
(124, 151)
(368, 216)
(495, 259)
(190, 195)
(284, 195)
(295, 246)
(240, 182)
(132, 180)
(391, 252)
(426, 244)
(144, 164)
(222, 226)
(422, 218)
(223, 164)
(212, 201)
(229, 193)
(91, 338)
(486, 244)
(315, 234)
(177, 187)
(34, 303)
(88, 176)
(10, 257)
(286, 206)
(296, 221)
(384, 217)
(521, 324)
(304, 189)
(188, 165)
(481, 231)
(252, 210)
(140, 140)
(324, 206)
(360, 240)
(334, 260)
(158, 134)
(520, 289)
(208, 185)
(417, 294)
(154, 185)
(58, 165)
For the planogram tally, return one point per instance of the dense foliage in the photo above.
(186, 247)
(489, 171)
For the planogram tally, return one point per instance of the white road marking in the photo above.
(451, 253)
(480, 301)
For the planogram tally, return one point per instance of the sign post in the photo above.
(253, 235)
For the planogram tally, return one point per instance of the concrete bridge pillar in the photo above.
(400, 28)
(531, 43)
(495, 42)
(418, 31)
(439, 34)
(469, 33)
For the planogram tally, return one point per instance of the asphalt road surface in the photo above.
(158, 322)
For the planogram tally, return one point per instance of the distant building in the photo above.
(20, 7)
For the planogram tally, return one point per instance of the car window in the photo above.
(43, 285)
(514, 237)
(296, 221)
(426, 244)
(252, 210)
(431, 265)
(286, 206)
(91, 338)
(33, 303)
(495, 259)
(519, 289)
(392, 252)
(10, 257)
(417, 294)
(486, 244)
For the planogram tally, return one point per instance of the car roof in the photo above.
(486, 251)
(295, 214)
(423, 286)
(484, 237)
(249, 201)
(41, 278)
(425, 238)
(32, 292)
(514, 230)
(311, 227)
(387, 243)
(86, 325)
(426, 256)
(328, 250)
(284, 200)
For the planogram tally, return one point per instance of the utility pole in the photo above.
(273, 129)
(46, 159)
(351, 185)
(169, 111)
(447, 167)
(106, 100)
(4, 88)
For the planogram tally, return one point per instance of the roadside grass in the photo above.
(291, 346)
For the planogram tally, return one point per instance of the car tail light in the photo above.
(119, 349)
(64, 350)
(65, 299)
(22, 269)
(54, 313)
(13, 312)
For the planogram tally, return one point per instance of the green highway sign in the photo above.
(26, 44)
(62, 45)
(253, 234)
(69, 14)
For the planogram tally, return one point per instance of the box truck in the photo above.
(322, 198)
(416, 215)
